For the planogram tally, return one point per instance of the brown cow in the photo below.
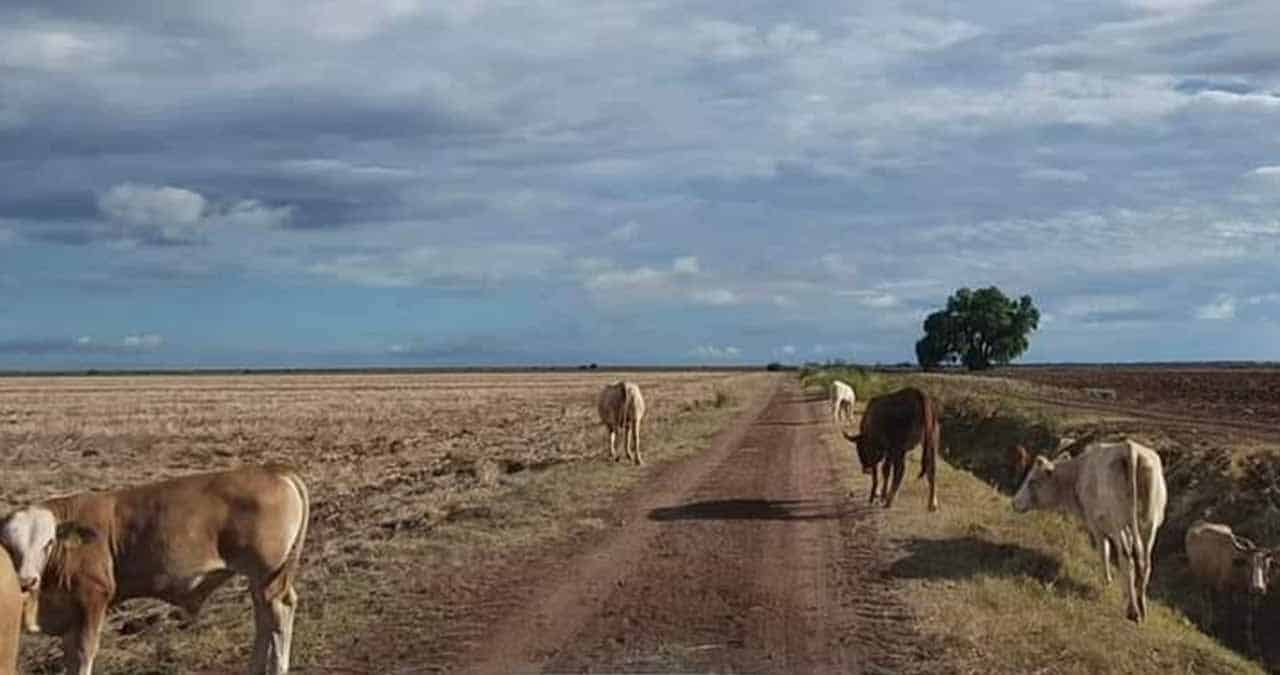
(11, 605)
(176, 540)
(891, 426)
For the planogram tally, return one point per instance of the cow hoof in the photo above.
(933, 506)
(1134, 616)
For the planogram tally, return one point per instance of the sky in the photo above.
(353, 183)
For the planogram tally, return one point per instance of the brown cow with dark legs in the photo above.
(892, 425)
(176, 540)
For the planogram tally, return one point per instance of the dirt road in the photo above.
(750, 556)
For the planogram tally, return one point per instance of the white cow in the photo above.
(1226, 561)
(842, 401)
(177, 541)
(621, 408)
(1118, 490)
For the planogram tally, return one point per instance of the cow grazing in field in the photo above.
(1225, 561)
(621, 409)
(176, 540)
(1118, 490)
(842, 401)
(11, 615)
(891, 425)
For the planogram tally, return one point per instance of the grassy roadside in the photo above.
(1001, 592)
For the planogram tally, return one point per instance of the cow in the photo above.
(1228, 564)
(176, 540)
(1225, 561)
(621, 408)
(843, 399)
(1118, 490)
(892, 425)
(12, 601)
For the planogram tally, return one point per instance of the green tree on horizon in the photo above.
(978, 329)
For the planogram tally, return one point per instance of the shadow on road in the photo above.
(748, 509)
(963, 557)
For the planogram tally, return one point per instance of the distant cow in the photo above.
(11, 605)
(1226, 561)
(1118, 490)
(891, 425)
(621, 408)
(176, 540)
(842, 401)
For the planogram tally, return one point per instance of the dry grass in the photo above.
(408, 474)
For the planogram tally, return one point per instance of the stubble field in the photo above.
(412, 477)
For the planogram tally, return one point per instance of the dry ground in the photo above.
(409, 475)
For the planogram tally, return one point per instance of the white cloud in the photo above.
(56, 49)
(1264, 298)
(1222, 308)
(687, 265)
(716, 352)
(167, 214)
(1266, 171)
(872, 299)
(786, 350)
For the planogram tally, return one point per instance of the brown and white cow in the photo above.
(1225, 561)
(892, 425)
(621, 408)
(1118, 490)
(11, 604)
(176, 540)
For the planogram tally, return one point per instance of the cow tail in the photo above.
(284, 577)
(1139, 545)
(931, 439)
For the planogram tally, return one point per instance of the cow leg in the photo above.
(898, 470)
(875, 484)
(635, 442)
(1104, 546)
(80, 644)
(273, 629)
(613, 444)
(1129, 570)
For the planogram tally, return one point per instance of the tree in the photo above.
(978, 328)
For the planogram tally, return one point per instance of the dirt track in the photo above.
(748, 557)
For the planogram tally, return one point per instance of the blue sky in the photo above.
(344, 182)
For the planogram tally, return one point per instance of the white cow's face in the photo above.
(1035, 489)
(29, 534)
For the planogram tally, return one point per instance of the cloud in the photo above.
(716, 297)
(1220, 309)
(166, 215)
(447, 267)
(83, 344)
(716, 353)
(872, 299)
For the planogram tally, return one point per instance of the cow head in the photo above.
(1019, 462)
(29, 535)
(869, 454)
(1248, 562)
(1037, 489)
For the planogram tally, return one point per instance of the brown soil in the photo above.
(751, 556)
(1243, 400)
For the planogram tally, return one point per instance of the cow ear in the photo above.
(75, 534)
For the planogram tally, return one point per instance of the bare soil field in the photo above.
(410, 475)
(1245, 397)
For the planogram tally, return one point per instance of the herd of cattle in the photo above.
(1116, 488)
(71, 558)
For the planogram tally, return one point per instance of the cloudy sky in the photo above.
(353, 182)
